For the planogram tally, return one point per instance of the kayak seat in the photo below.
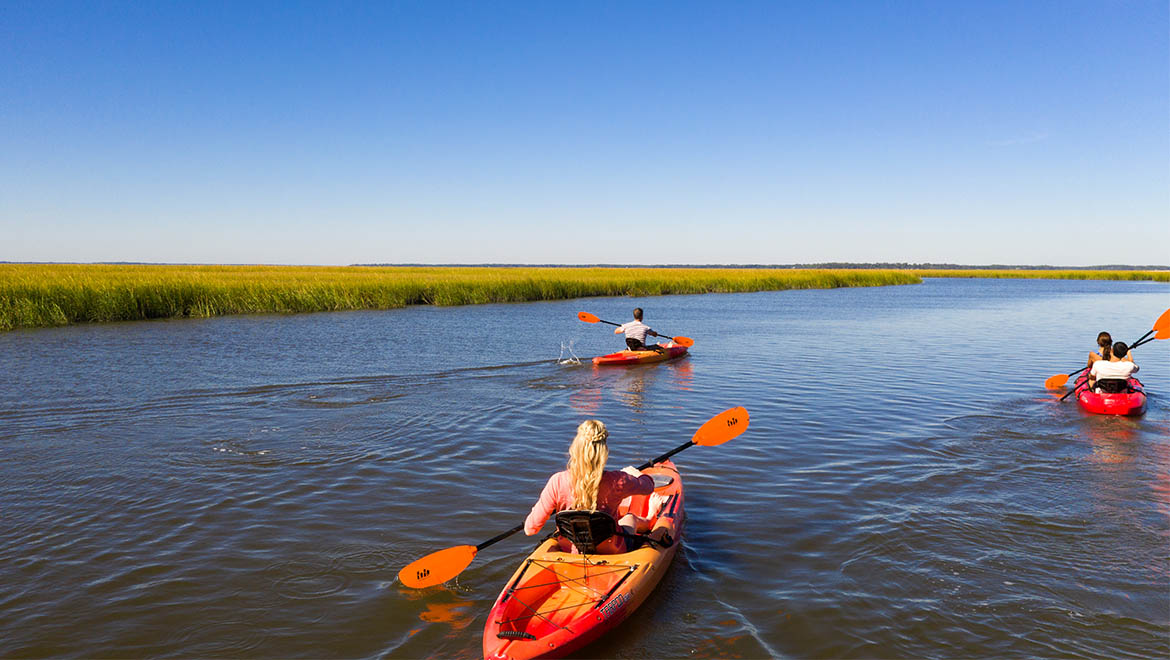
(593, 533)
(1113, 385)
(586, 530)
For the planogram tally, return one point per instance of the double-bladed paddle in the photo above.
(1161, 330)
(681, 341)
(443, 565)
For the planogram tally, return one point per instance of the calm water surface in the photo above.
(250, 486)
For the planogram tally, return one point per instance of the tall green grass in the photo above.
(36, 295)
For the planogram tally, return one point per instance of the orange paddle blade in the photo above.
(1163, 322)
(1163, 333)
(722, 427)
(1056, 382)
(683, 341)
(437, 567)
(587, 317)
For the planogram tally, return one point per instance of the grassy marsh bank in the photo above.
(39, 295)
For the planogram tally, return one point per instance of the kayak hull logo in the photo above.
(614, 605)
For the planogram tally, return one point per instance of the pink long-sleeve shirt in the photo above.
(558, 495)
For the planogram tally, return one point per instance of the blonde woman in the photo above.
(586, 485)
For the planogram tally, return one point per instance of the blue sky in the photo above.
(585, 132)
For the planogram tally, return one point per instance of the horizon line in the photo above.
(882, 265)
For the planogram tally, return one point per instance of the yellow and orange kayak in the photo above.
(559, 601)
(668, 352)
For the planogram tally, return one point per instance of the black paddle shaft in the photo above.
(667, 455)
(1142, 342)
(1074, 389)
(500, 537)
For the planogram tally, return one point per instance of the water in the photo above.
(250, 486)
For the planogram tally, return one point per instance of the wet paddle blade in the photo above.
(1163, 333)
(684, 341)
(587, 317)
(437, 567)
(1056, 382)
(1163, 322)
(722, 427)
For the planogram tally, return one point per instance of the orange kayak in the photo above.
(559, 601)
(669, 352)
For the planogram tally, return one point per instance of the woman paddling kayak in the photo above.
(586, 485)
(590, 575)
(1104, 349)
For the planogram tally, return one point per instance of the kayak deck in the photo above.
(559, 601)
(669, 352)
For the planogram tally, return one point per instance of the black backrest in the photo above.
(586, 529)
(1113, 385)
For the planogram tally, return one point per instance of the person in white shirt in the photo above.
(1112, 375)
(636, 332)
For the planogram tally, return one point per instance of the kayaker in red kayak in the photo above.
(1111, 373)
(1104, 349)
(636, 332)
(586, 485)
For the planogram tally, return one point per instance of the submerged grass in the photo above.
(39, 295)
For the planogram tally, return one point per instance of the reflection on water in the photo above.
(249, 486)
(586, 400)
(457, 614)
(630, 385)
(1114, 439)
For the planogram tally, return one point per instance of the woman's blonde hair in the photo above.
(587, 457)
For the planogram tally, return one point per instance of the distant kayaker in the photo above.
(1111, 374)
(636, 332)
(586, 485)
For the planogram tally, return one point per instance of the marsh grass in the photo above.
(1127, 275)
(39, 295)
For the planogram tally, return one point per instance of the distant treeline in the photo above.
(38, 295)
(833, 265)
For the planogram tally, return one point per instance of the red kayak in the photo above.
(1132, 402)
(668, 352)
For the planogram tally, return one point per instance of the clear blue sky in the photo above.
(585, 132)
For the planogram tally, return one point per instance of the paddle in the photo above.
(681, 341)
(1162, 334)
(1161, 328)
(443, 565)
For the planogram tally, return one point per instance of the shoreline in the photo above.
(51, 295)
